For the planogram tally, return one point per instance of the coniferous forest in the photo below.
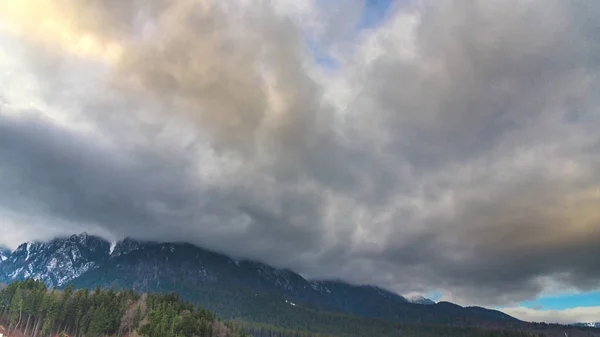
(29, 309)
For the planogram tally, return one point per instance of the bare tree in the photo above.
(134, 309)
(219, 329)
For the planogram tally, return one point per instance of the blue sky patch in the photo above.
(434, 295)
(375, 12)
(560, 302)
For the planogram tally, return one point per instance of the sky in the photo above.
(428, 147)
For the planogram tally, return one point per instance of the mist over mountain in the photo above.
(56, 262)
(217, 281)
(241, 289)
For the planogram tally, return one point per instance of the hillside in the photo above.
(28, 308)
(4, 253)
(233, 289)
(245, 291)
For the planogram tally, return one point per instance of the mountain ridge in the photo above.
(128, 245)
(588, 325)
(55, 262)
(4, 253)
(420, 300)
(261, 292)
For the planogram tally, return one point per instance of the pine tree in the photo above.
(16, 310)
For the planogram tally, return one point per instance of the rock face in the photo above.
(125, 247)
(233, 289)
(4, 254)
(56, 262)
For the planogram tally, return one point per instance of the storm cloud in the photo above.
(452, 147)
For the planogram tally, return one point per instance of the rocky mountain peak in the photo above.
(4, 254)
(86, 261)
(56, 262)
(125, 247)
(421, 300)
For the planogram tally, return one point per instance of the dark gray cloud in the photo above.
(454, 149)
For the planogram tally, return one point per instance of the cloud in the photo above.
(566, 316)
(453, 149)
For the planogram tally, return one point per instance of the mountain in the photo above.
(4, 253)
(244, 289)
(588, 325)
(128, 313)
(56, 262)
(421, 300)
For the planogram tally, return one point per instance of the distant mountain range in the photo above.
(234, 289)
(588, 325)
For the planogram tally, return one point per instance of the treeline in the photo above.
(350, 328)
(265, 330)
(33, 310)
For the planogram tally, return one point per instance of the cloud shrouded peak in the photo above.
(452, 147)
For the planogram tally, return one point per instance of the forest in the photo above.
(33, 310)
(29, 309)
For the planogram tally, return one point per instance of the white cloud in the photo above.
(566, 316)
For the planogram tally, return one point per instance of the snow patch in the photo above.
(74, 255)
(113, 244)
(14, 274)
(28, 247)
(52, 264)
(418, 299)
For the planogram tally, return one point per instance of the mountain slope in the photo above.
(105, 313)
(588, 325)
(56, 262)
(420, 300)
(214, 279)
(127, 313)
(245, 289)
(4, 254)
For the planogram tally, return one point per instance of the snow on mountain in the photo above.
(420, 300)
(4, 254)
(199, 274)
(125, 247)
(588, 324)
(56, 262)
